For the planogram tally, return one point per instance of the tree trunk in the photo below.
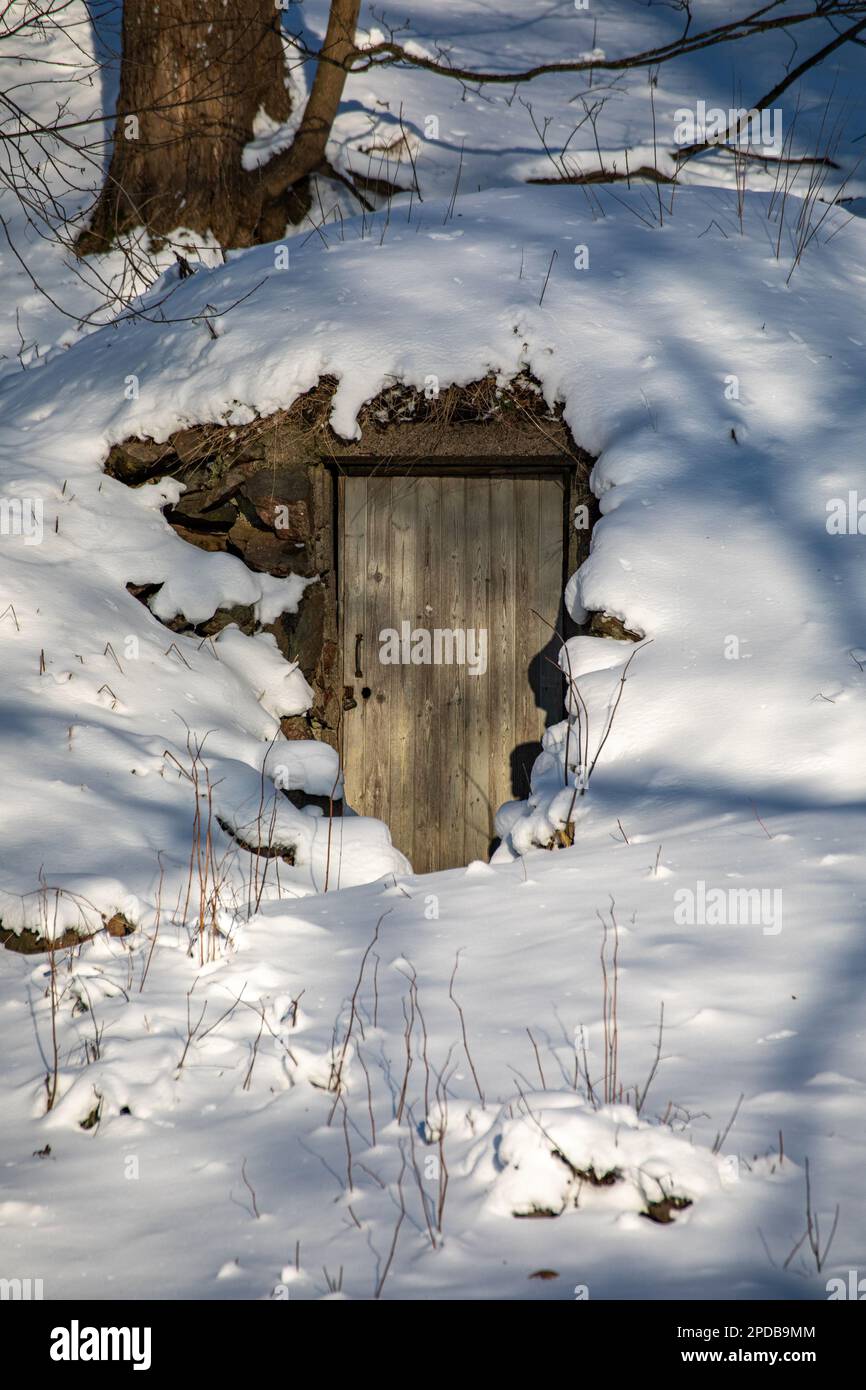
(194, 75)
(307, 151)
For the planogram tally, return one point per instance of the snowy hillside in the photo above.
(601, 1071)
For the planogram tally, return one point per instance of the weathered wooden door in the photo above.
(453, 675)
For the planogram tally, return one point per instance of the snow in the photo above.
(190, 1131)
(552, 1152)
(723, 396)
(282, 689)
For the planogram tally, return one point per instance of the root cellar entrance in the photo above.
(436, 547)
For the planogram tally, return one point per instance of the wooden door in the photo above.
(446, 728)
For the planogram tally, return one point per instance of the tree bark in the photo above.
(194, 74)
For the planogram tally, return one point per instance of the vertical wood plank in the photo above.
(501, 672)
(452, 680)
(404, 522)
(528, 641)
(419, 684)
(353, 588)
(549, 594)
(476, 571)
(381, 710)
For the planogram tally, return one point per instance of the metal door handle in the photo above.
(359, 637)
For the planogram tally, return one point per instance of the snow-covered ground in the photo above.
(324, 1089)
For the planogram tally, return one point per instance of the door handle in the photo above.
(359, 638)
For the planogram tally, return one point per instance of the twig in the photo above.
(250, 1189)
(761, 823)
(463, 1029)
(546, 278)
(338, 1070)
(381, 1284)
(720, 1138)
(537, 1061)
(640, 1100)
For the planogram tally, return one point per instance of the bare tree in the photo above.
(196, 73)
(194, 76)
